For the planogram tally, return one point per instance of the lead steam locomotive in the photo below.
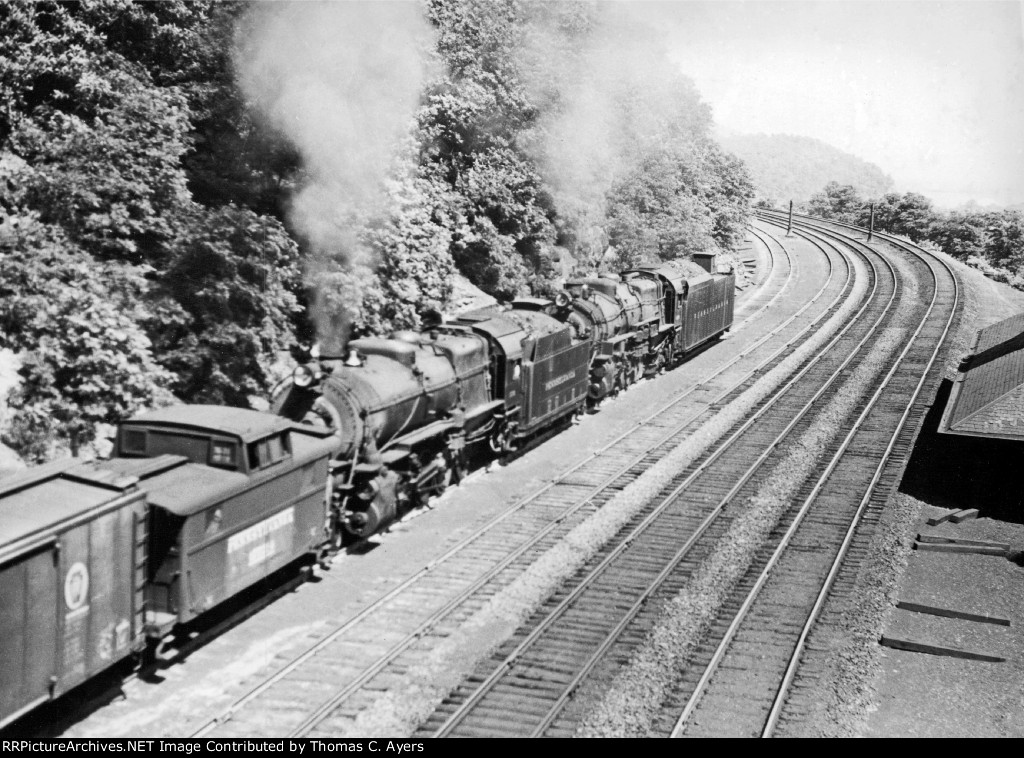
(408, 409)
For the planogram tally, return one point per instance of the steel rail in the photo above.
(803, 510)
(518, 506)
(323, 710)
(484, 687)
(790, 674)
(598, 654)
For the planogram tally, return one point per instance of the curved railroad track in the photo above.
(378, 670)
(327, 687)
(534, 686)
(756, 649)
(910, 385)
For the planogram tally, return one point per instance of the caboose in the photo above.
(234, 495)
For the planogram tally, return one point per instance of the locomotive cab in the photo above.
(538, 367)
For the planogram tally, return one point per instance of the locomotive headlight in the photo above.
(303, 376)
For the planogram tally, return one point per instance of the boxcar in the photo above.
(72, 563)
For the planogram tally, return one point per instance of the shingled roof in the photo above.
(987, 399)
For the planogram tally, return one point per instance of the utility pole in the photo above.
(871, 222)
(789, 227)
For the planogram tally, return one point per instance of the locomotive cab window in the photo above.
(268, 452)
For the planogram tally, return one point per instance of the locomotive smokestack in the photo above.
(353, 358)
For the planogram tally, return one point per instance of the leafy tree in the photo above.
(837, 201)
(728, 194)
(685, 198)
(225, 304)
(101, 145)
(961, 235)
(909, 214)
(84, 360)
(507, 228)
(1004, 245)
(103, 101)
(114, 186)
(655, 216)
(472, 127)
(413, 244)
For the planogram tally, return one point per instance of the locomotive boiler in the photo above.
(406, 408)
(102, 560)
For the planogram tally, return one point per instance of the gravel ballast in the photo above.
(401, 709)
(631, 704)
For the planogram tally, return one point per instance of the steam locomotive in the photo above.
(407, 409)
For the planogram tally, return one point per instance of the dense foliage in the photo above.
(93, 148)
(991, 241)
(149, 243)
(74, 323)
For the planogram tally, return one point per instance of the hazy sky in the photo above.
(932, 92)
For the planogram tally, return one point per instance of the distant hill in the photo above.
(786, 167)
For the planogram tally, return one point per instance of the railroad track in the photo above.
(763, 635)
(538, 683)
(340, 677)
(737, 682)
(781, 601)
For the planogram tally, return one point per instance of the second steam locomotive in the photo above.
(407, 409)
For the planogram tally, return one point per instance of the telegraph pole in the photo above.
(871, 222)
(789, 227)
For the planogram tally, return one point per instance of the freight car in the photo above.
(100, 559)
(407, 408)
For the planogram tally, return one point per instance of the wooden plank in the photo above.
(953, 548)
(934, 610)
(936, 520)
(963, 515)
(949, 652)
(937, 540)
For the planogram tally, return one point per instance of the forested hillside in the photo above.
(189, 188)
(785, 167)
(991, 241)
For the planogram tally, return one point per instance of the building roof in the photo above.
(987, 399)
(240, 422)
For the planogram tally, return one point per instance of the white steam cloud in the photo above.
(610, 94)
(342, 81)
